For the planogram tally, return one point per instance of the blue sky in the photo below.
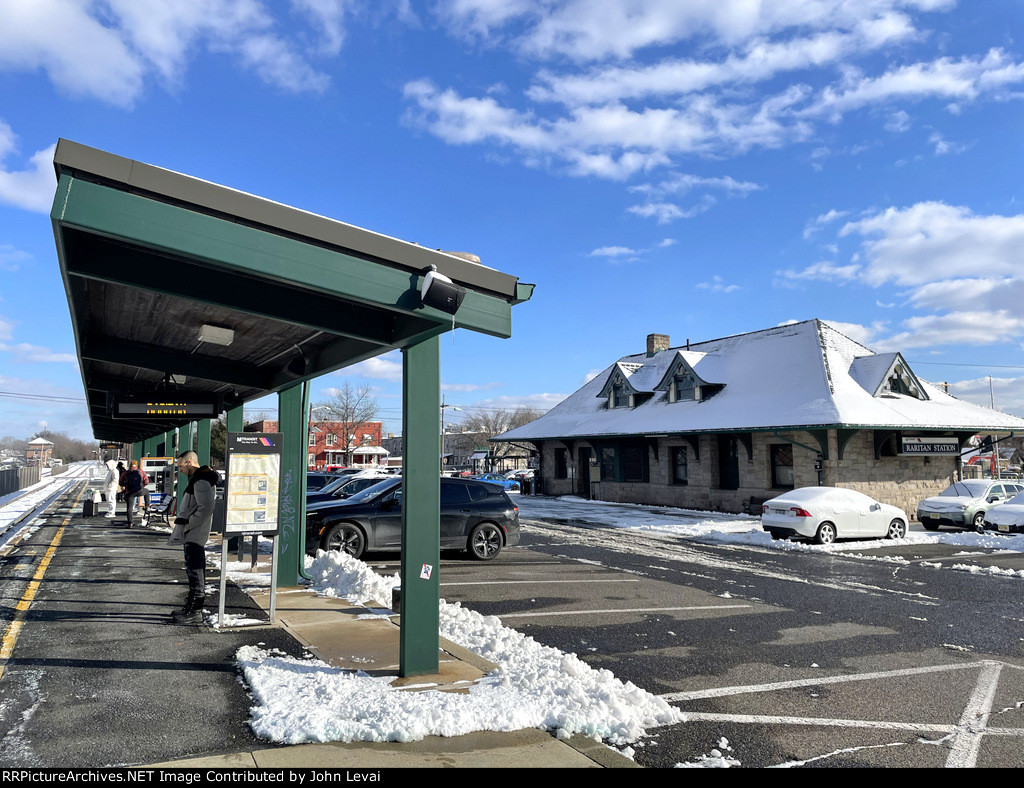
(697, 169)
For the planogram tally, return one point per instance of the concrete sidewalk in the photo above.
(354, 637)
(100, 677)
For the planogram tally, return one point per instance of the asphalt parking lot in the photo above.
(873, 657)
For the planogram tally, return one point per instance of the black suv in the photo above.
(475, 516)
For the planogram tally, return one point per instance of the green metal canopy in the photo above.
(150, 256)
(183, 292)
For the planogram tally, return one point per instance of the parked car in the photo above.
(1008, 517)
(316, 481)
(475, 516)
(521, 474)
(964, 504)
(345, 487)
(825, 514)
(509, 485)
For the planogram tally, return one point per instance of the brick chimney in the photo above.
(656, 343)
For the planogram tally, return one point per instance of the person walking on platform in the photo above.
(196, 518)
(110, 485)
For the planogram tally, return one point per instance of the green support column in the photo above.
(236, 421)
(137, 450)
(421, 509)
(149, 446)
(292, 409)
(184, 444)
(203, 441)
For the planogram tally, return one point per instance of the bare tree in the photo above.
(350, 408)
(480, 425)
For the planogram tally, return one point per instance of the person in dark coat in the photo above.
(196, 516)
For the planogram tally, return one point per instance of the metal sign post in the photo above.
(253, 498)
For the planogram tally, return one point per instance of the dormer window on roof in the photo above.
(683, 384)
(620, 397)
(887, 375)
(901, 381)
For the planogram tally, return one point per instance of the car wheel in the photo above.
(979, 522)
(346, 537)
(897, 530)
(777, 535)
(485, 541)
(826, 534)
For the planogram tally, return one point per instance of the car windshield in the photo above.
(374, 490)
(333, 485)
(352, 486)
(972, 488)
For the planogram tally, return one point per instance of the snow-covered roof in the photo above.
(802, 375)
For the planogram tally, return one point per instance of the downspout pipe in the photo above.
(306, 385)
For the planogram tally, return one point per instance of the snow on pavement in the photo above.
(20, 503)
(535, 686)
(746, 530)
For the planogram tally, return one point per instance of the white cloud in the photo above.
(964, 80)
(585, 30)
(6, 329)
(717, 285)
(464, 387)
(614, 252)
(384, 367)
(108, 50)
(1008, 393)
(11, 258)
(932, 241)
(666, 212)
(822, 221)
(898, 122)
(540, 401)
(865, 335)
(24, 353)
(957, 328)
(822, 271)
(31, 188)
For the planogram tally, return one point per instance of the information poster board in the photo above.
(253, 482)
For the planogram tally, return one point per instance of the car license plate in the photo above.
(1004, 528)
(933, 515)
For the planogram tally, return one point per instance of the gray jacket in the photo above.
(197, 505)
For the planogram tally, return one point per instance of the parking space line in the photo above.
(535, 582)
(623, 610)
(721, 692)
(769, 719)
(974, 720)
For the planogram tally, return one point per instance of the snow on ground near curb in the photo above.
(535, 686)
(732, 528)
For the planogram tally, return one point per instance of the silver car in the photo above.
(963, 504)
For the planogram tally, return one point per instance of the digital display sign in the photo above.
(162, 409)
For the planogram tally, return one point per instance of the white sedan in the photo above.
(1008, 517)
(825, 514)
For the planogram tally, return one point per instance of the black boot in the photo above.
(192, 613)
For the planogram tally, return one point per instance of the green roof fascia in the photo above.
(790, 428)
(160, 226)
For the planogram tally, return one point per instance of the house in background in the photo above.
(723, 425)
(330, 443)
(39, 452)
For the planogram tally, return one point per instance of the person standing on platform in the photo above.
(196, 517)
(110, 485)
(134, 483)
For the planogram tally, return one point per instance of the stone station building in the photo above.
(725, 424)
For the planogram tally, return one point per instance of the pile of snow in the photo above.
(535, 686)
